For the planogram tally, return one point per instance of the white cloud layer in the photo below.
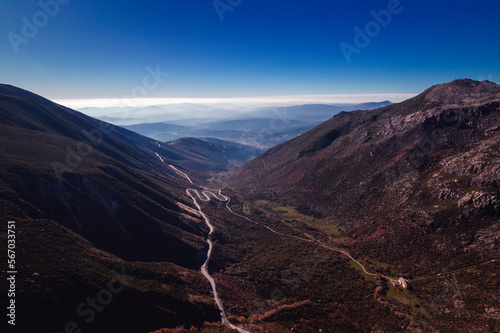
(237, 102)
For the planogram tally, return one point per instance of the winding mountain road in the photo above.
(206, 195)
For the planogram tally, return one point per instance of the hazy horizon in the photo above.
(126, 111)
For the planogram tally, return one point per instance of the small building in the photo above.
(403, 283)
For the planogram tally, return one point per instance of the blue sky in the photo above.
(101, 49)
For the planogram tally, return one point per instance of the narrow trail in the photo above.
(314, 241)
(325, 246)
(451, 272)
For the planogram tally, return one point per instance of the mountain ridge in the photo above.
(414, 184)
(370, 126)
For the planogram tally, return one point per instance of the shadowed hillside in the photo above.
(93, 202)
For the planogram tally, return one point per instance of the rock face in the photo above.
(463, 92)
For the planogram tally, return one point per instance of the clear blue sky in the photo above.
(92, 48)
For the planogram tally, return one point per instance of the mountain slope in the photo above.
(359, 148)
(57, 162)
(415, 185)
(89, 199)
(213, 155)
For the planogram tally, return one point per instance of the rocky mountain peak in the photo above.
(464, 92)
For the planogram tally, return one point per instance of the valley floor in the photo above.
(264, 297)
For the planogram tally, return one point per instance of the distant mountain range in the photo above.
(262, 128)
